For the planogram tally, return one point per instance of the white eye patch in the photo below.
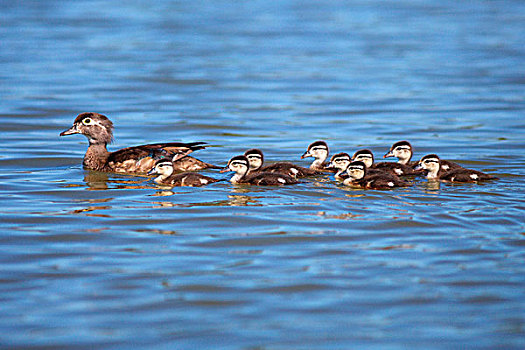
(361, 156)
(318, 148)
(238, 163)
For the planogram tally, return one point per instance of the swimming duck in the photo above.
(240, 165)
(256, 160)
(357, 172)
(340, 162)
(403, 151)
(319, 150)
(432, 163)
(164, 169)
(366, 156)
(138, 159)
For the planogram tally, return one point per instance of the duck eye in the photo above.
(87, 121)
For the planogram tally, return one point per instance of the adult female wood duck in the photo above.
(319, 150)
(138, 159)
(164, 169)
(403, 151)
(366, 156)
(240, 165)
(357, 172)
(432, 164)
(256, 160)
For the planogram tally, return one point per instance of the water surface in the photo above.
(93, 260)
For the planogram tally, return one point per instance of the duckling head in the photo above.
(402, 150)
(356, 170)
(364, 155)
(340, 161)
(163, 168)
(318, 149)
(240, 165)
(432, 163)
(255, 158)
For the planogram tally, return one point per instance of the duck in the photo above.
(357, 172)
(432, 163)
(241, 166)
(165, 171)
(340, 162)
(256, 160)
(403, 151)
(135, 160)
(319, 150)
(366, 156)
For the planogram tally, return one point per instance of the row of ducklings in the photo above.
(165, 159)
(360, 170)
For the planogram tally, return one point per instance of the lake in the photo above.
(106, 261)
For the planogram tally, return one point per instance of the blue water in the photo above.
(92, 260)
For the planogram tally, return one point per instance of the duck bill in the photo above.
(306, 155)
(389, 154)
(72, 130)
(224, 170)
(152, 172)
(418, 167)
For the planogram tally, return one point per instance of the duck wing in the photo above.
(138, 159)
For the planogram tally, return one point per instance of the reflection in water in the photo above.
(232, 201)
(431, 186)
(92, 208)
(157, 231)
(97, 180)
(344, 216)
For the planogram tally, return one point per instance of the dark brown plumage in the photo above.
(138, 159)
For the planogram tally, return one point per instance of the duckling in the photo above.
(432, 163)
(366, 156)
(340, 162)
(138, 159)
(403, 151)
(240, 165)
(164, 169)
(319, 150)
(256, 160)
(357, 172)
